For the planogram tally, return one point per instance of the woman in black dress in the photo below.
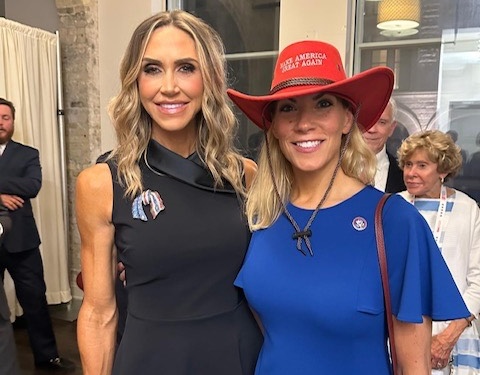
(170, 198)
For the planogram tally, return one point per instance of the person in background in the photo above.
(20, 181)
(463, 153)
(428, 159)
(311, 272)
(472, 168)
(169, 198)
(8, 364)
(389, 176)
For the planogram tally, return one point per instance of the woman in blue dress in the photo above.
(311, 272)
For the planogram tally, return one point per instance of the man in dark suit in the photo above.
(8, 355)
(454, 135)
(389, 176)
(20, 181)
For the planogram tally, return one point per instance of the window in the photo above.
(249, 29)
(437, 73)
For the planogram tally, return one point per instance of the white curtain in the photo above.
(28, 78)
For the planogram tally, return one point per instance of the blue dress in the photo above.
(325, 314)
(185, 316)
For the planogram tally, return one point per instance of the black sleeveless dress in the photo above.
(185, 316)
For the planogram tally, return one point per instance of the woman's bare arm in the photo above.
(97, 318)
(412, 342)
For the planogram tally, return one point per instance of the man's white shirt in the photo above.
(382, 169)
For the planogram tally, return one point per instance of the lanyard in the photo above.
(440, 222)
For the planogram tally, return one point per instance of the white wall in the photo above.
(324, 20)
(41, 14)
(117, 19)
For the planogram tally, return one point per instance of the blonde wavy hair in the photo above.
(263, 206)
(216, 122)
(440, 149)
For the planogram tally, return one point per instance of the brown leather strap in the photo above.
(382, 259)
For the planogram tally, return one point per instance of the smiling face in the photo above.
(421, 175)
(171, 87)
(309, 130)
(6, 123)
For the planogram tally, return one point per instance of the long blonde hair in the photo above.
(216, 122)
(263, 206)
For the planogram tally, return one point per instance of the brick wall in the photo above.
(79, 49)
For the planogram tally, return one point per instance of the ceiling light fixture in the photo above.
(398, 33)
(398, 14)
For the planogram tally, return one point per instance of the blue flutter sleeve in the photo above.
(420, 281)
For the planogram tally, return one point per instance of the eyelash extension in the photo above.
(189, 67)
(150, 69)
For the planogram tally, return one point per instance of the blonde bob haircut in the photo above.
(263, 206)
(440, 149)
(216, 122)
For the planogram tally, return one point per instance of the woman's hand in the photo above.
(443, 343)
(441, 350)
(121, 273)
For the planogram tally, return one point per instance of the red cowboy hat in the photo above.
(309, 67)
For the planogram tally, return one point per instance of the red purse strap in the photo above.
(382, 260)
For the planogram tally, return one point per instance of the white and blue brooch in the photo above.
(147, 198)
(359, 223)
